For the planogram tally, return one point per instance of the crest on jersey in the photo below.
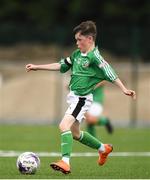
(85, 63)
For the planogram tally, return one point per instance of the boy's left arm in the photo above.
(111, 76)
(126, 91)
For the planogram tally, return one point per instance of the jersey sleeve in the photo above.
(109, 73)
(65, 64)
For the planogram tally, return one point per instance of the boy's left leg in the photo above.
(89, 140)
(103, 149)
(91, 129)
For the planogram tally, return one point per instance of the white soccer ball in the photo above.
(28, 163)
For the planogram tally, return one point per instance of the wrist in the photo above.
(35, 67)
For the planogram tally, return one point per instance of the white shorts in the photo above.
(96, 109)
(78, 105)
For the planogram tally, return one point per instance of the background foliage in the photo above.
(52, 21)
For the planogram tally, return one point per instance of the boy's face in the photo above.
(83, 42)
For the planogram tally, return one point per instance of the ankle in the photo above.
(66, 160)
(102, 148)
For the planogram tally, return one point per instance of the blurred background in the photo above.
(41, 32)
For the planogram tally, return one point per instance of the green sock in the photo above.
(91, 129)
(89, 140)
(66, 143)
(102, 121)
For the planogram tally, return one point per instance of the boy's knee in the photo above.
(76, 136)
(63, 127)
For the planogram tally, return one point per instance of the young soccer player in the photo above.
(95, 115)
(88, 68)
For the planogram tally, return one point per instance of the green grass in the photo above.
(46, 138)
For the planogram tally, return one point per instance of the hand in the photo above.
(130, 93)
(126, 91)
(30, 67)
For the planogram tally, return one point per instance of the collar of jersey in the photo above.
(85, 54)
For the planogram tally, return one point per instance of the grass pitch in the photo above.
(47, 139)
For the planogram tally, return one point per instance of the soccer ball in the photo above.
(28, 163)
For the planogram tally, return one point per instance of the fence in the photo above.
(39, 97)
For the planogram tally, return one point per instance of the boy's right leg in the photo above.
(66, 145)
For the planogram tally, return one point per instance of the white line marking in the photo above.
(76, 154)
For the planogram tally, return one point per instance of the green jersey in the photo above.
(87, 70)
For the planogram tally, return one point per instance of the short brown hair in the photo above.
(86, 28)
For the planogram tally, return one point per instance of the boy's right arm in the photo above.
(48, 67)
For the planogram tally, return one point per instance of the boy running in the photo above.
(88, 69)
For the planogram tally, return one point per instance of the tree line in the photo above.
(48, 21)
